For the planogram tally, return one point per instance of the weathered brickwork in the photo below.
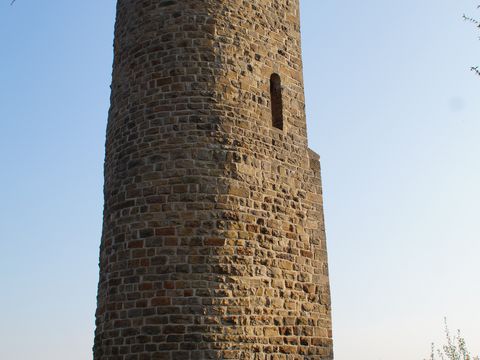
(213, 241)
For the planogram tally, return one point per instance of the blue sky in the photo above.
(392, 109)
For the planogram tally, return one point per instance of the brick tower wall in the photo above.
(213, 242)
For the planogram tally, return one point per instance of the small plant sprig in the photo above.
(454, 349)
(476, 22)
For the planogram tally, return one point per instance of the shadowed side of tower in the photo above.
(213, 242)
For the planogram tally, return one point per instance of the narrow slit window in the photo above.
(276, 100)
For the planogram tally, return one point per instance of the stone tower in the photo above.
(213, 241)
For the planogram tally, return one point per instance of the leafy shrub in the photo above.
(454, 349)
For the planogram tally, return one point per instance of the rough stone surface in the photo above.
(213, 241)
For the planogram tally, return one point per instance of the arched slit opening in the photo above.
(277, 101)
